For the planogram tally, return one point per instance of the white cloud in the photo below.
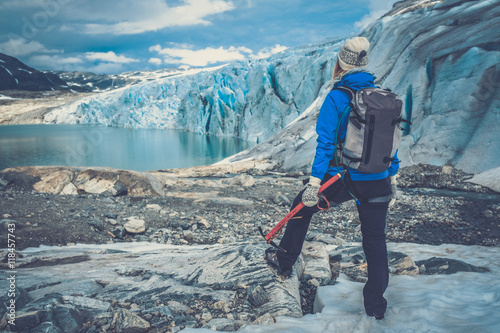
(105, 62)
(110, 57)
(155, 61)
(377, 9)
(155, 48)
(58, 62)
(55, 62)
(203, 57)
(17, 47)
(267, 52)
(185, 55)
(107, 68)
(192, 12)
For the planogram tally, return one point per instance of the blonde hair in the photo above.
(337, 71)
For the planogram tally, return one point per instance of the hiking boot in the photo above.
(272, 259)
(377, 316)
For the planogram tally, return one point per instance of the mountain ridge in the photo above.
(15, 75)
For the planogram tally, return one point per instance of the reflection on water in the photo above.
(132, 149)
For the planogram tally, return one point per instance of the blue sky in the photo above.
(112, 36)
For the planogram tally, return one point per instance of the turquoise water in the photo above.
(131, 149)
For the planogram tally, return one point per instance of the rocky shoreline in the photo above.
(207, 207)
(209, 217)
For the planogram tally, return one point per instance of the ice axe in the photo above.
(276, 231)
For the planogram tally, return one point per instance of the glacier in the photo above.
(444, 61)
(441, 57)
(249, 99)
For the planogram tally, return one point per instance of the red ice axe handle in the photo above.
(271, 234)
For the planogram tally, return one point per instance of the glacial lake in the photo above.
(122, 148)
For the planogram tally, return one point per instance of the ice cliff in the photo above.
(442, 57)
(247, 99)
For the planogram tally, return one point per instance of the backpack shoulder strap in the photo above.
(350, 92)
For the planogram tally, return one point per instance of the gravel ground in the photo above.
(435, 206)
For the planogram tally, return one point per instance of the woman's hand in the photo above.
(310, 195)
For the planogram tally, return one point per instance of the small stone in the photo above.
(204, 223)
(111, 216)
(4, 223)
(314, 282)
(154, 207)
(219, 305)
(227, 240)
(118, 189)
(112, 221)
(3, 182)
(107, 201)
(68, 317)
(488, 213)
(26, 320)
(221, 324)
(126, 321)
(402, 264)
(141, 238)
(447, 170)
(243, 180)
(162, 310)
(177, 307)
(135, 226)
(257, 296)
(188, 235)
(119, 232)
(436, 265)
(206, 316)
(103, 318)
(266, 319)
(281, 200)
(243, 316)
(97, 224)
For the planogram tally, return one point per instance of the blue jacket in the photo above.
(331, 110)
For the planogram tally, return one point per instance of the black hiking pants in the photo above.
(374, 197)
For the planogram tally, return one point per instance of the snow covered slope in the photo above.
(15, 75)
(442, 57)
(444, 60)
(90, 82)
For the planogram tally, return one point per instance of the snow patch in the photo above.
(25, 70)
(489, 179)
(461, 302)
(6, 70)
(3, 97)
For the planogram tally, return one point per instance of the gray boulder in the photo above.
(436, 265)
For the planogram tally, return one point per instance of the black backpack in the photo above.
(373, 130)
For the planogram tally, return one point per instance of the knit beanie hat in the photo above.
(354, 53)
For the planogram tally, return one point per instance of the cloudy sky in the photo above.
(112, 36)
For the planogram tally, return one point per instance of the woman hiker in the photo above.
(373, 191)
